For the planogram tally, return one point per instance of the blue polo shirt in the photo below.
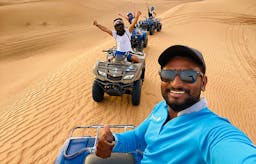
(196, 136)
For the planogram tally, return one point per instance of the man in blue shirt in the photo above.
(182, 129)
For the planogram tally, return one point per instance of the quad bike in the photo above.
(118, 76)
(80, 149)
(151, 25)
(143, 24)
(139, 39)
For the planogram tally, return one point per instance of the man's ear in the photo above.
(204, 82)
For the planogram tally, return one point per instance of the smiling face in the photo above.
(178, 94)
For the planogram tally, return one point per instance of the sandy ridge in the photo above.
(37, 41)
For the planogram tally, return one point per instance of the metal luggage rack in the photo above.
(89, 149)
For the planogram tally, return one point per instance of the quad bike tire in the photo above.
(97, 92)
(140, 46)
(151, 30)
(145, 43)
(136, 92)
(143, 74)
(133, 44)
(159, 28)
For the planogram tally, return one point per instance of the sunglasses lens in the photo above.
(188, 76)
(167, 75)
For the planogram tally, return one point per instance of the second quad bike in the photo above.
(139, 39)
(118, 76)
(151, 24)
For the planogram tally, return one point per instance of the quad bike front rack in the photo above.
(75, 146)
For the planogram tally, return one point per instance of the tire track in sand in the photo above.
(211, 16)
(37, 113)
(239, 39)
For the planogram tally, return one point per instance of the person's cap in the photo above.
(181, 50)
(118, 21)
(129, 14)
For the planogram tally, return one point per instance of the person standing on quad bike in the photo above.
(122, 36)
(129, 16)
(151, 12)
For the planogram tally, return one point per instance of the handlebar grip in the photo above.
(108, 51)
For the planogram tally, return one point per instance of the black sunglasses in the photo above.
(187, 76)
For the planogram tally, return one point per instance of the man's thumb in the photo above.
(107, 129)
(108, 133)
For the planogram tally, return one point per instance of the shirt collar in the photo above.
(194, 108)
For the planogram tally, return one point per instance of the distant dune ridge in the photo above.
(48, 49)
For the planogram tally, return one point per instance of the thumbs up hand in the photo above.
(105, 143)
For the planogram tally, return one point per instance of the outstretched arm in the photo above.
(103, 28)
(148, 7)
(134, 22)
(154, 13)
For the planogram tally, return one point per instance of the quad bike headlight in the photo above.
(102, 73)
(128, 77)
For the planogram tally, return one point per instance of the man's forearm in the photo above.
(103, 28)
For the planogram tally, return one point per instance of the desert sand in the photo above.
(48, 49)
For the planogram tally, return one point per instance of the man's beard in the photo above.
(177, 107)
(120, 32)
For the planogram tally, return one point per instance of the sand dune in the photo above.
(48, 50)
